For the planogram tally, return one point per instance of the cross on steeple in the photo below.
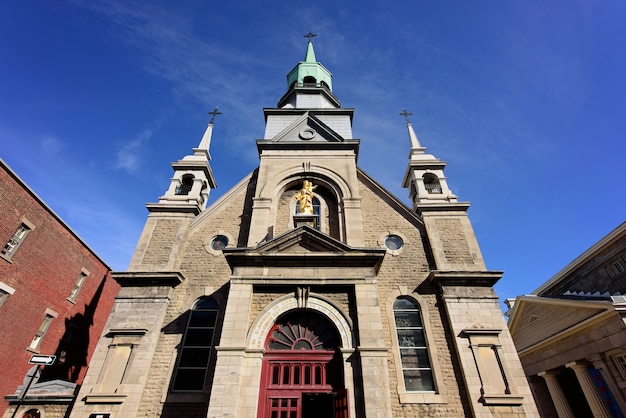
(310, 35)
(406, 115)
(213, 114)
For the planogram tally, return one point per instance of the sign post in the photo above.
(39, 360)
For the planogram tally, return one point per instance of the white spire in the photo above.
(205, 142)
(415, 143)
(424, 175)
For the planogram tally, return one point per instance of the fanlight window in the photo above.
(196, 346)
(299, 331)
(416, 368)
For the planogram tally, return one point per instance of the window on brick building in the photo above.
(413, 347)
(16, 240)
(5, 291)
(196, 347)
(78, 285)
(41, 332)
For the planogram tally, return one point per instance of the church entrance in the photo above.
(302, 371)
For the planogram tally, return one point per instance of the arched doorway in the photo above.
(302, 371)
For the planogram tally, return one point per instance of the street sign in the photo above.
(42, 359)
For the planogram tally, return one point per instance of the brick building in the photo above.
(307, 289)
(55, 296)
(571, 334)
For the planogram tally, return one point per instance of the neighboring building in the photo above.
(570, 334)
(55, 296)
(307, 290)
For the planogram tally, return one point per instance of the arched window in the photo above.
(316, 211)
(186, 184)
(196, 347)
(414, 356)
(309, 80)
(32, 413)
(431, 182)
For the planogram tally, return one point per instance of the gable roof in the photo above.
(308, 132)
(538, 320)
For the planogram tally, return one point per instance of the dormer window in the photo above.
(431, 183)
(186, 184)
(309, 80)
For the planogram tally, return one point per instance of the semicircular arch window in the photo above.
(300, 331)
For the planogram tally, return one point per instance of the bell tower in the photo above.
(193, 179)
(424, 176)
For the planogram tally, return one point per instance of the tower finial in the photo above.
(213, 114)
(310, 35)
(406, 115)
(415, 143)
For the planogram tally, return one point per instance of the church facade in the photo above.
(307, 290)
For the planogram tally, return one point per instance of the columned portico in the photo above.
(557, 395)
(597, 405)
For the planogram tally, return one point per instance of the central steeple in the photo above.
(309, 83)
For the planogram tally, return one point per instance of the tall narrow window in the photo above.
(41, 332)
(416, 367)
(316, 211)
(77, 286)
(196, 347)
(16, 240)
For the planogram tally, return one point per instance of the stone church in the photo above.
(307, 290)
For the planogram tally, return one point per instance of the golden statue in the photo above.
(305, 198)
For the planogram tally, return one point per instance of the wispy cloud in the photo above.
(127, 156)
(198, 69)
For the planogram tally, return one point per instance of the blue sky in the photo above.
(524, 100)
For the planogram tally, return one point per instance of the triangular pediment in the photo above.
(305, 247)
(308, 128)
(303, 240)
(538, 319)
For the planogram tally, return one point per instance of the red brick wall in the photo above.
(43, 272)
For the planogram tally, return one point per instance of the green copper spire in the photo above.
(310, 53)
(310, 73)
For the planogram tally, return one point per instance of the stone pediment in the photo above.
(536, 320)
(304, 247)
(307, 128)
(58, 390)
(308, 132)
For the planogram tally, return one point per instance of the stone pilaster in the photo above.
(226, 399)
(372, 352)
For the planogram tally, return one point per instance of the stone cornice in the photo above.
(148, 278)
(465, 278)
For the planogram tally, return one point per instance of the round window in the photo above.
(393, 242)
(219, 242)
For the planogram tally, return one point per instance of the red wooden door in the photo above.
(301, 374)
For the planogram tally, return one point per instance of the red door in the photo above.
(302, 374)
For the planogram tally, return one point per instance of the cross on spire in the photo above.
(310, 35)
(406, 115)
(213, 114)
